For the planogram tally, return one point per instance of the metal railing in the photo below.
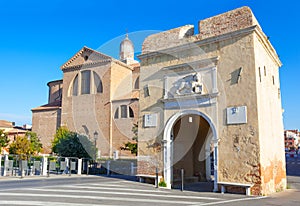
(22, 166)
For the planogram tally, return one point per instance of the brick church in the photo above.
(98, 97)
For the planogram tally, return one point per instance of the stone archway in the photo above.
(191, 133)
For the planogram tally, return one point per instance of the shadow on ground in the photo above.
(197, 187)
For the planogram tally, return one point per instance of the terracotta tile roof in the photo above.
(133, 95)
(16, 131)
(135, 65)
(7, 124)
(50, 106)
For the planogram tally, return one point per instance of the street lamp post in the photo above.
(95, 141)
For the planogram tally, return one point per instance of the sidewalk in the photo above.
(293, 182)
(36, 177)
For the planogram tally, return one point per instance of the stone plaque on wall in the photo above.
(150, 120)
(237, 115)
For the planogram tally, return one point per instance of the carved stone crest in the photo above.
(190, 84)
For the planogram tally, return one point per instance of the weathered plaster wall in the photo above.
(271, 132)
(241, 155)
(239, 144)
(233, 53)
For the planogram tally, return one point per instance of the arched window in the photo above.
(85, 82)
(124, 111)
(98, 83)
(131, 114)
(137, 83)
(75, 86)
(117, 113)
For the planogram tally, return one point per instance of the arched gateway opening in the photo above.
(190, 144)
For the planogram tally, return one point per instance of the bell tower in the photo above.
(127, 51)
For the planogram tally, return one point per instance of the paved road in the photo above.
(88, 191)
(293, 166)
(93, 190)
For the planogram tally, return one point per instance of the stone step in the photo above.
(187, 180)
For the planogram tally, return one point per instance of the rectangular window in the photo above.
(123, 111)
(146, 91)
(85, 82)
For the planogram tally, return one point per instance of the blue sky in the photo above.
(37, 37)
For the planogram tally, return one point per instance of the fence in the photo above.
(21, 166)
(16, 165)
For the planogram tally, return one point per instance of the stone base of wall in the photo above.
(147, 167)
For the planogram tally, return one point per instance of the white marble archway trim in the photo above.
(168, 146)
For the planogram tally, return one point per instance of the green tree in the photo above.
(132, 146)
(72, 144)
(21, 146)
(62, 133)
(26, 145)
(134, 130)
(3, 140)
(35, 143)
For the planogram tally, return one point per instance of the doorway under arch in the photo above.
(191, 144)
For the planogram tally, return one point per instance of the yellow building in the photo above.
(210, 104)
(12, 132)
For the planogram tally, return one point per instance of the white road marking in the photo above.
(124, 193)
(99, 185)
(42, 203)
(123, 199)
(114, 189)
(228, 201)
(104, 183)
